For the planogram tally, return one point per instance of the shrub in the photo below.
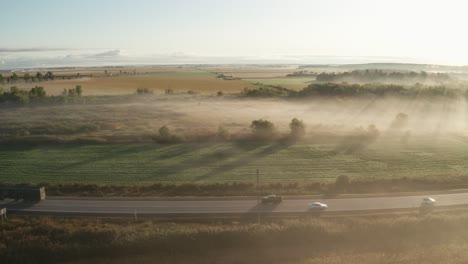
(78, 90)
(164, 132)
(37, 92)
(144, 91)
(75, 92)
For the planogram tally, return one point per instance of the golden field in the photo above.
(120, 85)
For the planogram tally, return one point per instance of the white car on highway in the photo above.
(317, 206)
(428, 202)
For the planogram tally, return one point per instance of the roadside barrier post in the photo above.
(258, 198)
(3, 215)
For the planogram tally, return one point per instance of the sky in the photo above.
(85, 32)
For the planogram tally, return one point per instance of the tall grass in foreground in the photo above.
(407, 239)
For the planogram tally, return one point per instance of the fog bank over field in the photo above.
(423, 116)
(136, 116)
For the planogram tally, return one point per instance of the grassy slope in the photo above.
(227, 162)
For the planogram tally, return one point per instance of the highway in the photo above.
(102, 207)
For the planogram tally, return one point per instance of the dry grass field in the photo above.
(253, 71)
(178, 81)
(201, 79)
(437, 238)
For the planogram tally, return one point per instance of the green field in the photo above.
(141, 163)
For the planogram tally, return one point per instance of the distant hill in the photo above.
(392, 66)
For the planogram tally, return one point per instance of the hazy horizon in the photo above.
(88, 60)
(92, 33)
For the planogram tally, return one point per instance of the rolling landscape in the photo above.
(247, 132)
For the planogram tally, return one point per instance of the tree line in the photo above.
(348, 90)
(27, 77)
(381, 76)
(345, 89)
(37, 77)
(37, 93)
(262, 130)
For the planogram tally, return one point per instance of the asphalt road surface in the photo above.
(223, 207)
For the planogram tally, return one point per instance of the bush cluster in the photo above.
(16, 95)
(266, 91)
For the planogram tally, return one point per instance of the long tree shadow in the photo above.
(124, 150)
(246, 159)
(356, 141)
(193, 161)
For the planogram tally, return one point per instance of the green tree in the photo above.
(26, 77)
(39, 76)
(49, 76)
(13, 78)
(297, 128)
(263, 129)
(2, 79)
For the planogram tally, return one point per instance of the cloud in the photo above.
(107, 54)
(31, 49)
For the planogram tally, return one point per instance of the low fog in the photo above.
(186, 114)
(424, 116)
